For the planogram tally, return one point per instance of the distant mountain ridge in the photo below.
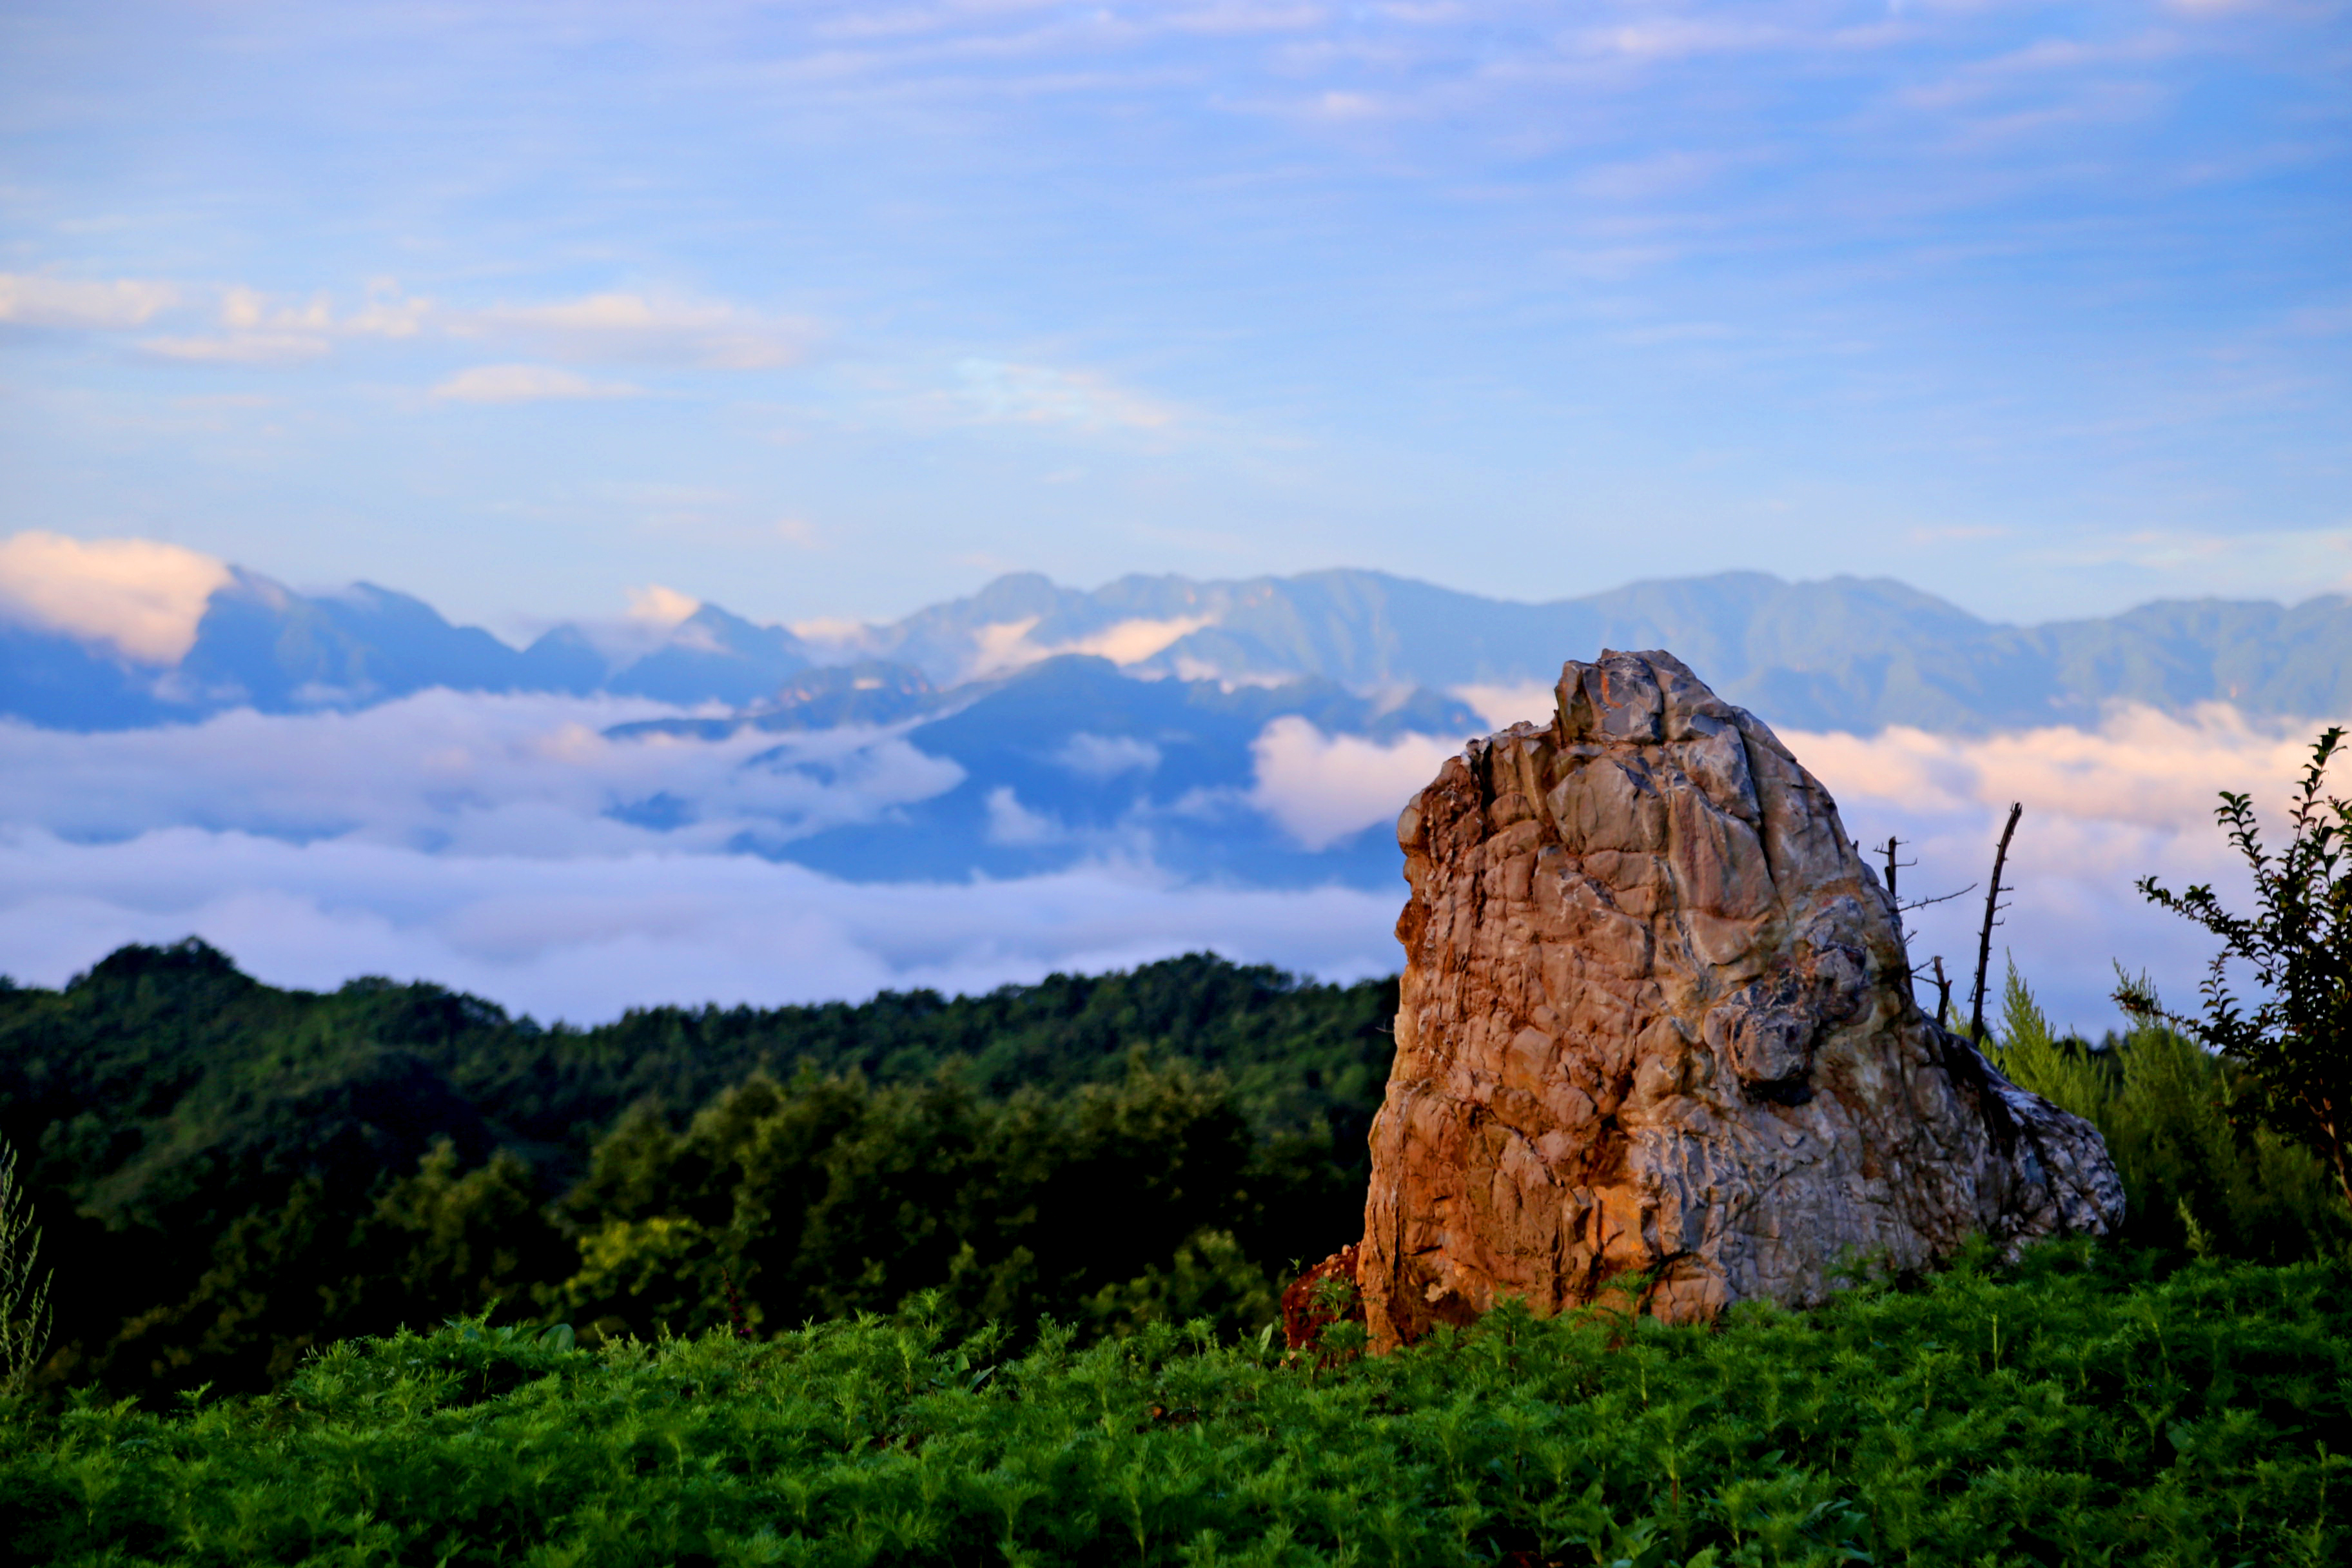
(1843, 654)
(1846, 653)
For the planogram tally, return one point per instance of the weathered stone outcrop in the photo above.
(1657, 1019)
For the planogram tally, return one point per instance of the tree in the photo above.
(2295, 1043)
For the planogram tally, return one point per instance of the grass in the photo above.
(2079, 1409)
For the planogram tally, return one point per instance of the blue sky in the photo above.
(821, 311)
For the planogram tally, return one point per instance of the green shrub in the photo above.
(2065, 1413)
(2294, 1043)
(2199, 1175)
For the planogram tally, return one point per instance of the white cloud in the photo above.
(996, 391)
(1321, 788)
(240, 348)
(35, 301)
(644, 328)
(837, 634)
(1003, 646)
(585, 939)
(142, 598)
(469, 840)
(254, 327)
(1107, 756)
(2103, 808)
(1011, 823)
(260, 329)
(460, 774)
(526, 384)
(2143, 767)
(251, 311)
(657, 606)
(1679, 37)
(1505, 705)
(1133, 641)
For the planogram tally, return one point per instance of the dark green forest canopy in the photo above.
(177, 1043)
(228, 1173)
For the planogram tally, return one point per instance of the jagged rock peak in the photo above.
(1657, 1020)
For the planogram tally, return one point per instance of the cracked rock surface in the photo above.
(1657, 1015)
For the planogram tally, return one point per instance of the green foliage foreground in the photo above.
(2065, 1412)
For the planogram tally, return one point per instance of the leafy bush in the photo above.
(2066, 1414)
(2199, 1175)
(2295, 1044)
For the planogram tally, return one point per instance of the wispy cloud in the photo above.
(1673, 37)
(1003, 392)
(657, 606)
(34, 300)
(1004, 646)
(255, 327)
(1659, 174)
(639, 329)
(526, 383)
(252, 326)
(2247, 562)
(241, 348)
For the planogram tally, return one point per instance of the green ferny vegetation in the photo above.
(2069, 1411)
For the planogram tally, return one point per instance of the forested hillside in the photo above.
(228, 1173)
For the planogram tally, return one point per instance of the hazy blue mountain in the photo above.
(2266, 658)
(713, 655)
(563, 660)
(871, 691)
(264, 646)
(261, 646)
(1847, 653)
(60, 684)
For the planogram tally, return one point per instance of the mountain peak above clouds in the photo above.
(1846, 653)
(128, 632)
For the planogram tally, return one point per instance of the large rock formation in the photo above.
(1657, 1021)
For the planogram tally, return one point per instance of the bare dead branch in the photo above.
(1991, 919)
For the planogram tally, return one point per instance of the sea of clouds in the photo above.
(501, 845)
